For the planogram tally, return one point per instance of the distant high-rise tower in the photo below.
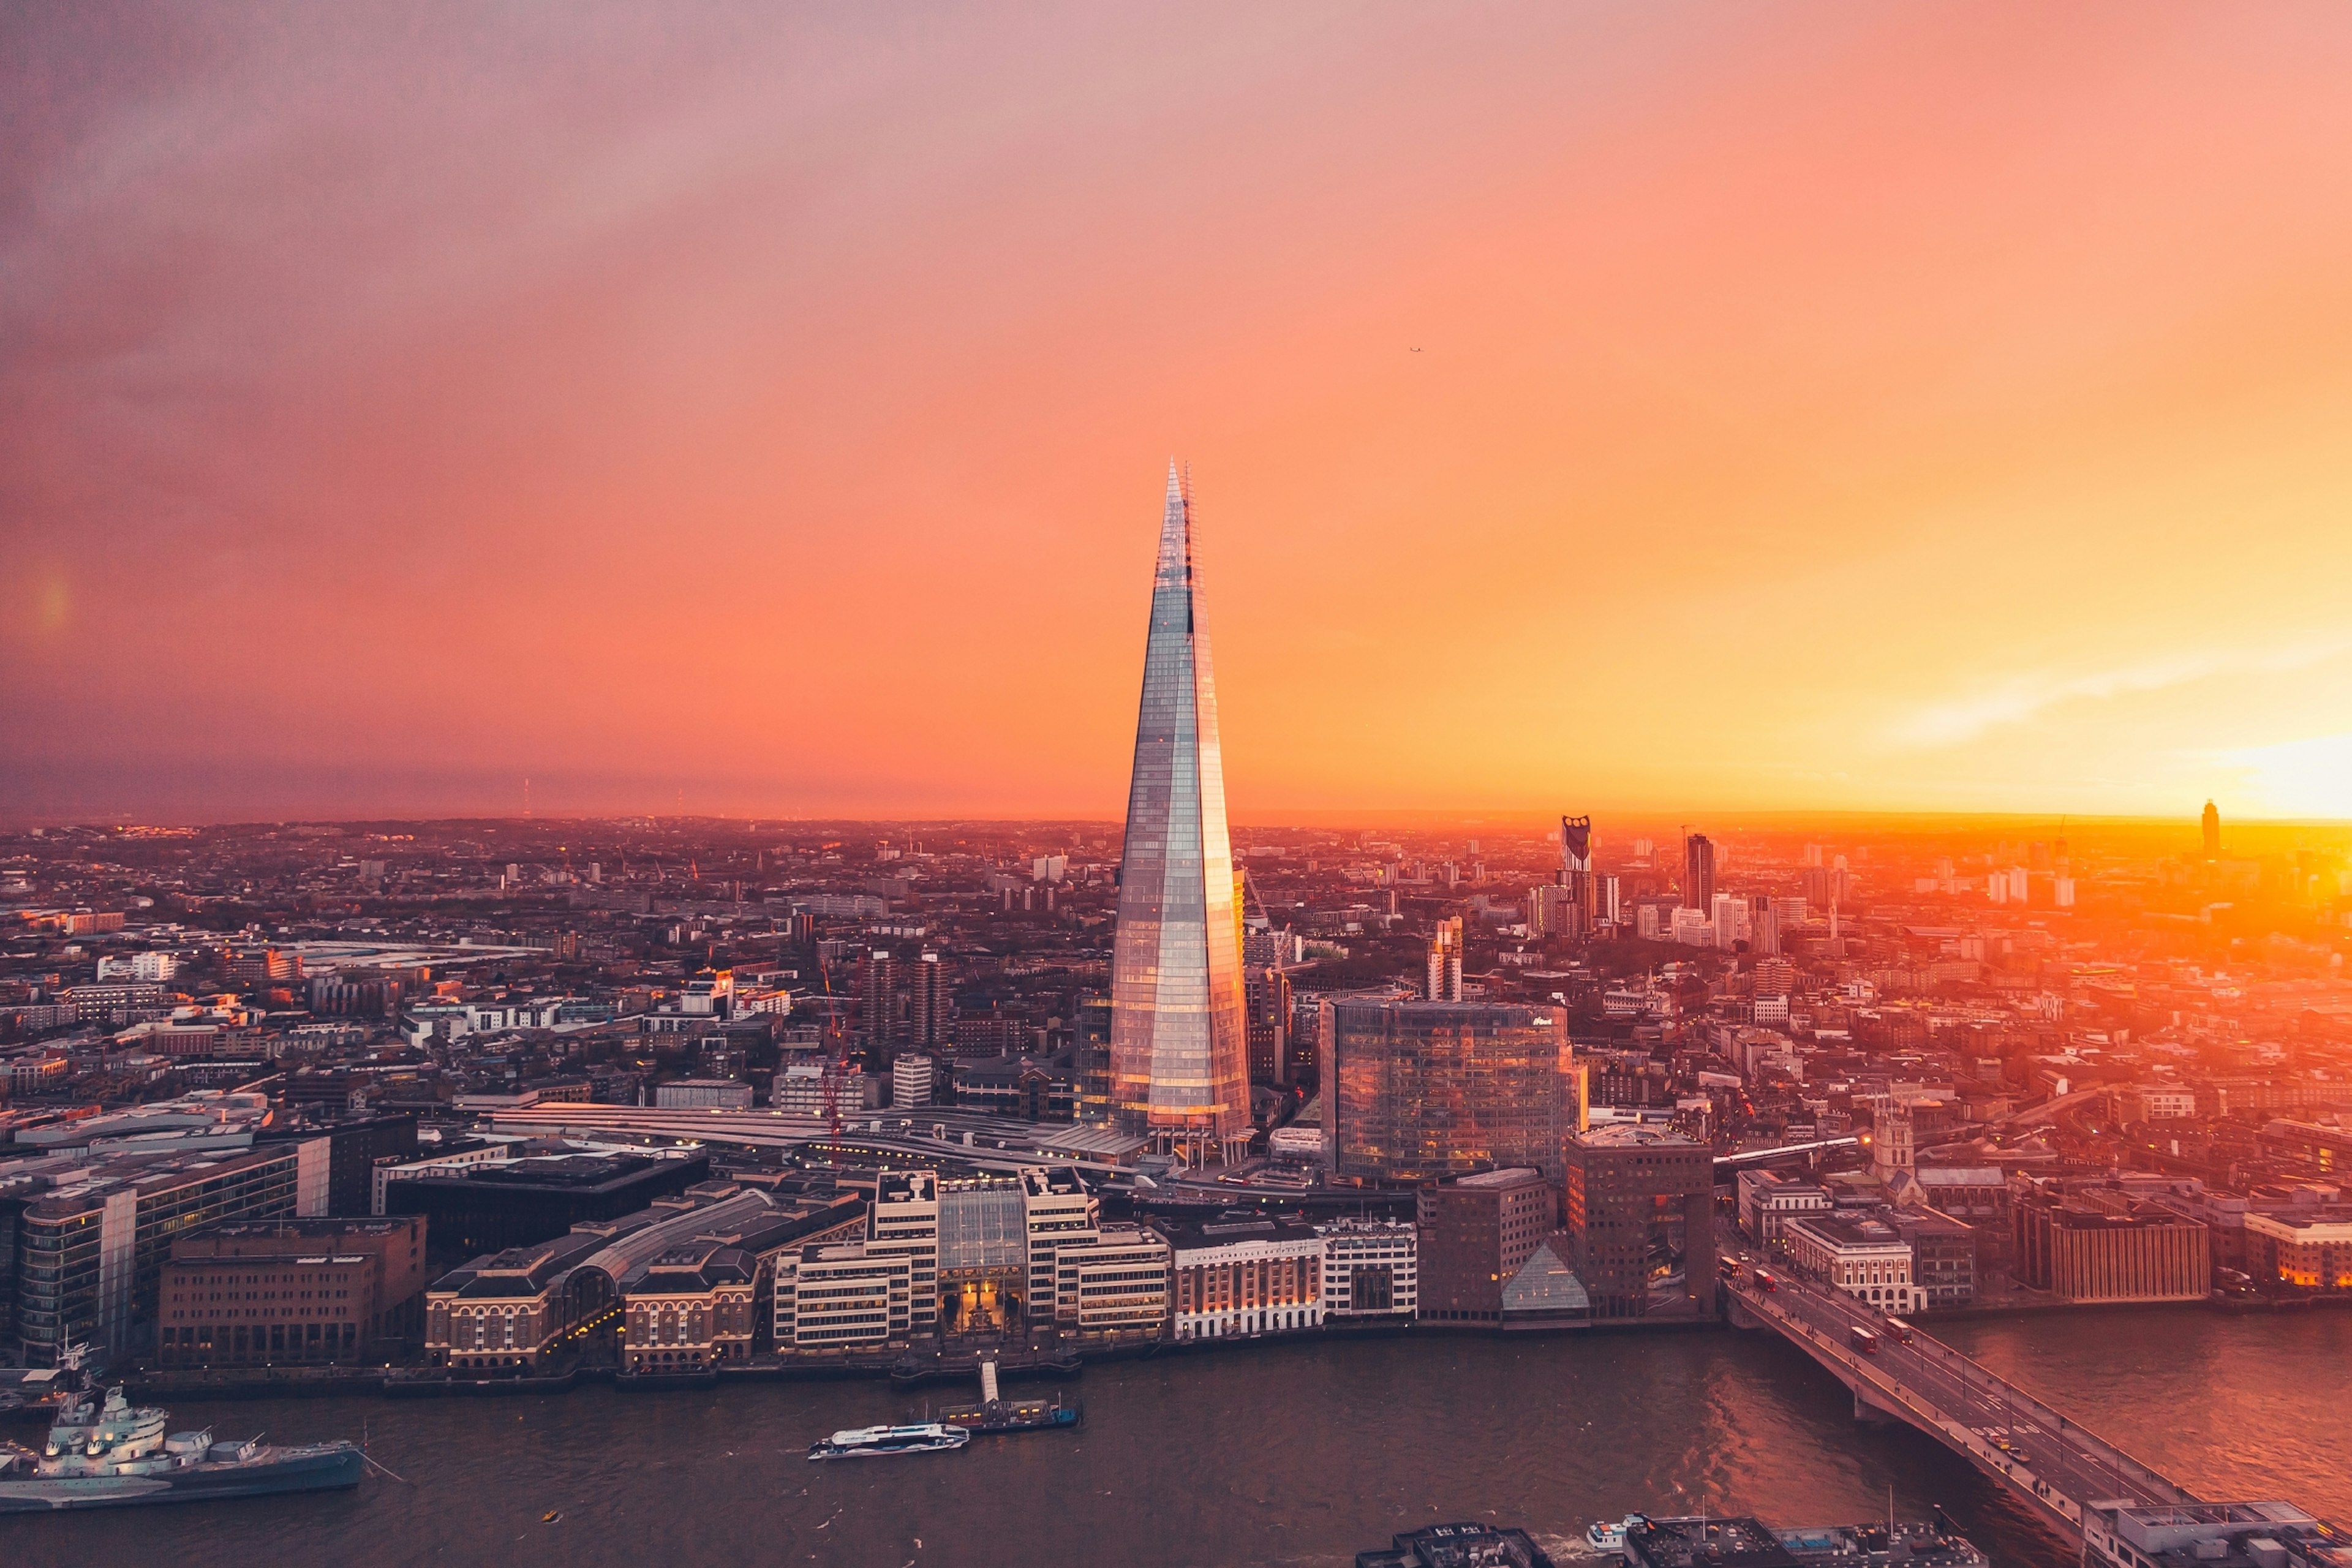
(881, 998)
(929, 1027)
(1575, 873)
(1698, 872)
(1178, 1045)
(2212, 831)
(1446, 961)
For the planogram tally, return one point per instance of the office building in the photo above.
(2211, 823)
(914, 1082)
(2104, 1247)
(1113, 1283)
(1768, 1200)
(903, 1220)
(841, 1297)
(92, 1235)
(1180, 1053)
(289, 1291)
(354, 1147)
(983, 1251)
(1371, 1269)
(1638, 1204)
(1473, 1234)
(1056, 1212)
(1698, 873)
(1235, 1279)
(1418, 1091)
(1861, 1256)
(1445, 961)
(2306, 1148)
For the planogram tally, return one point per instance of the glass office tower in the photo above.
(1418, 1091)
(1179, 1064)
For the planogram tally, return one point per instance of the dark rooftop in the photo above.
(1732, 1542)
(1458, 1546)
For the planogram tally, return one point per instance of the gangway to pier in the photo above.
(2059, 1469)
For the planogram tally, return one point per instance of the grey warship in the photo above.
(105, 1452)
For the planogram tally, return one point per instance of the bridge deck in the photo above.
(2053, 1463)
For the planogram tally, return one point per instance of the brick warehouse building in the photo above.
(297, 1291)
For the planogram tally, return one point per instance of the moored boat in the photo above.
(105, 1452)
(992, 1417)
(1604, 1536)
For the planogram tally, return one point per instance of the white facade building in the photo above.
(1371, 1268)
(843, 1297)
(914, 1080)
(1114, 1281)
(1864, 1258)
(150, 968)
(1769, 1201)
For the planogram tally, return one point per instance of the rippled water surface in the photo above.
(1293, 1453)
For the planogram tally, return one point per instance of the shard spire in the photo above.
(1180, 1073)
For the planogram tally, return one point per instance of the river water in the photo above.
(1298, 1454)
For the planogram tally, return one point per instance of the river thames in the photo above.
(1300, 1454)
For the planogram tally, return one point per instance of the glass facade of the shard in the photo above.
(1179, 1048)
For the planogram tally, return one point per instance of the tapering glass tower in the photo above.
(1179, 1049)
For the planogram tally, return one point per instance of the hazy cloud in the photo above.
(2022, 698)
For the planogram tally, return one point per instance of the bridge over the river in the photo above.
(2055, 1465)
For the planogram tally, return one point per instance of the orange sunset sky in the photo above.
(765, 409)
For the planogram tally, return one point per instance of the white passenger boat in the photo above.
(872, 1442)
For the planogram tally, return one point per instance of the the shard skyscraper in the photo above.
(1178, 1050)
